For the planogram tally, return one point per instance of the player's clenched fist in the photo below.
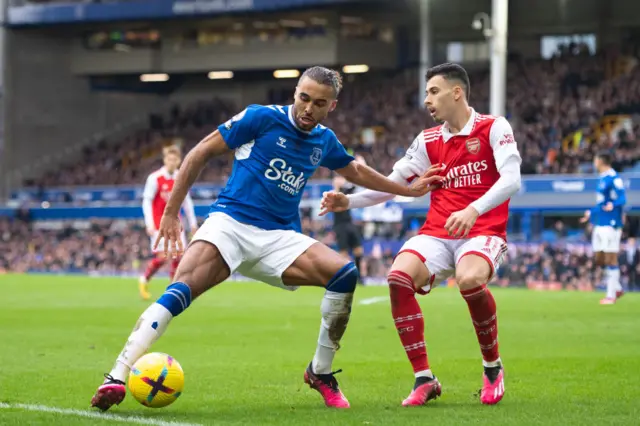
(169, 232)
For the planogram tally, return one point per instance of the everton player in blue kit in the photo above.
(254, 226)
(606, 218)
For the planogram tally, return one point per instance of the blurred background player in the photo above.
(348, 235)
(464, 233)
(157, 190)
(607, 220)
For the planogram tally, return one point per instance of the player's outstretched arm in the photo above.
(192, 166)
(367, 177)
(334, 201)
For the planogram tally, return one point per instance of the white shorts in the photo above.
(441, 256)
(606, 239)
(254, 252)
(160, 249)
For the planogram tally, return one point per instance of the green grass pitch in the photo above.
(244, 348)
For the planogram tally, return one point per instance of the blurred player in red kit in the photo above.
(464, 234)
(154, 199)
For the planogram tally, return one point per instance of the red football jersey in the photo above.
(156, 193)
(471, 158)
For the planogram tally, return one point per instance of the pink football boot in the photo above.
(424, 390)
(327, 386)
(492, 385)
(111, 392)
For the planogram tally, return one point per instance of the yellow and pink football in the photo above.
(156, 380)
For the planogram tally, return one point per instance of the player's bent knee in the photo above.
(400, 284)
(345, 280)
(412, 266)
(469, 280)
(473, 271)
(176, 298)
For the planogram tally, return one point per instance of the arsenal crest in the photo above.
(473, 145)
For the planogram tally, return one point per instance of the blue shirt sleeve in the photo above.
(243, 127)
(337, 157)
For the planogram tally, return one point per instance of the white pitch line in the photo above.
(372, 300)
(93, 415)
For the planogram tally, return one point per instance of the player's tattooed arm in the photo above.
(193, 164)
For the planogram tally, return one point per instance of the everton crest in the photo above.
(316, 156)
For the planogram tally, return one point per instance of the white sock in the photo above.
(424, 373)
(611, 282)
(335, 308)
(496, 363)
(618, 283)
(150, 326)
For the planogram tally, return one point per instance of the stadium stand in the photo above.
(561, 109)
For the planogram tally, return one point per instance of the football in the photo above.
(156, 380)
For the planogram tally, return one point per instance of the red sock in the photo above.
(174, 265)
(407, 316)
(482, 307)
(153, 266)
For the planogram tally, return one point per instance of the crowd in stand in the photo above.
(96, 247)
(378, 116)
(549, 102)
(121, 247)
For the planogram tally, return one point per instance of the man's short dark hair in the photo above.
(324, 76)
(605, 157)
(451, 71)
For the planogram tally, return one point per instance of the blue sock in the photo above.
(176, 298)
(345, 280)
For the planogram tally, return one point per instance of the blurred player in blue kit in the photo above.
(607, 218)
(254, 225)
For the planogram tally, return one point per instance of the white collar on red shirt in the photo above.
(466, 130)
(166, 174)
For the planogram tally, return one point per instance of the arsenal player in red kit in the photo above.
(154, 199)
(464, 234)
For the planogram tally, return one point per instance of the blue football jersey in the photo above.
(274, 159)
(610, 190)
